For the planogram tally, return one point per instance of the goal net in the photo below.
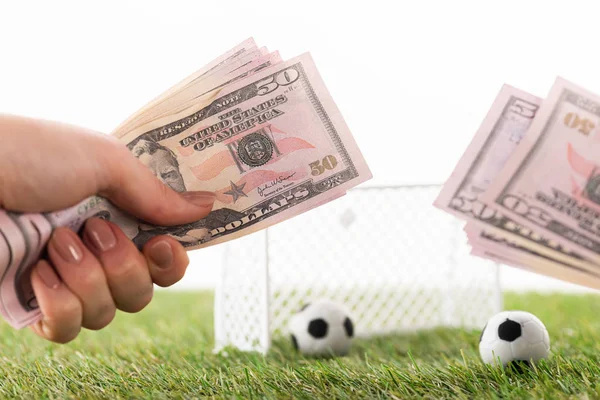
(395, 261)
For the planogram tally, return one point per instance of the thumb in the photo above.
(131, 186)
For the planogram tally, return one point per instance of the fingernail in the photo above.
(201, 199)
(161, 254)
(99, 234)
(47, 275)
(66, 247)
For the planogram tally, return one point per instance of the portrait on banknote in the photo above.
(163, 163)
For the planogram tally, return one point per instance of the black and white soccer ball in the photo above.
(513, 336)
(322, 327)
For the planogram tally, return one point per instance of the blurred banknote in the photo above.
(552, 182)
(506, 251)
(263, 134)
(493, 232)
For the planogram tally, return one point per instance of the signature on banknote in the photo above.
(280, 179)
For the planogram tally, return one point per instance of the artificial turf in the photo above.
(165, 351)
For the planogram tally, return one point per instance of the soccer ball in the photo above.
(513, 336)
(322, 328)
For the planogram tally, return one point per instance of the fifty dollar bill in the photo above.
(264, 135)
(492, 233)
(552, 182)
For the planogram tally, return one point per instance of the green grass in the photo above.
(166, 352)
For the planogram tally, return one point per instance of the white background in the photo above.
(413, 79)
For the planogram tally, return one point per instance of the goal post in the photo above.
(395, 261)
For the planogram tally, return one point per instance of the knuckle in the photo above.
(103, 316)
(171, 275)
(165, 280)
(64, 337)
(67, 310)
(137, 300)
(168, 277)
(91, 278)
(170, 280)
(62, 332)
(126, 268)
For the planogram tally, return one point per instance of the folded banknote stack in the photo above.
(262, 133)
(528, 184)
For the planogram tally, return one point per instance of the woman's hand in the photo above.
(46, 166)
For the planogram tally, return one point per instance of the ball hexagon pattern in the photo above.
(512, 336)
(322, 327)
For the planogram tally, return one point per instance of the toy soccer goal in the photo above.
(395, 261)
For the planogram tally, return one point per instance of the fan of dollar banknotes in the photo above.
(262, 133)
(528, 184)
